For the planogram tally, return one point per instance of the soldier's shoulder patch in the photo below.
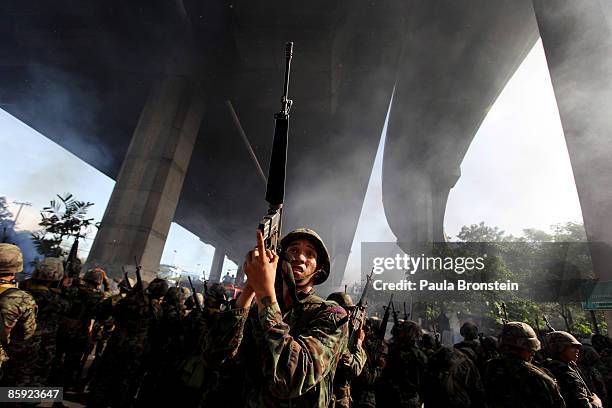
(333, 308)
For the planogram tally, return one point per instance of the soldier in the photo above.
(51, 307)
(489, 347)
(104, 325)
(18, 321)
(402, 382)
(453, 381)
(511, 381)
(352, 362)
(469, 331)
(76, 326)
(428, 344)
(289, 344)
(364, 386)
(564, 350)
(603, 345)
(122, 365)
(166, 350)
(590, 365)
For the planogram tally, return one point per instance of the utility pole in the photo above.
(21, 204)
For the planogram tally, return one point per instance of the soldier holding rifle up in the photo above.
(288, 344)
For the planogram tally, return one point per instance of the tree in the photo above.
(60, 220)
(6, 219)
(482, 233)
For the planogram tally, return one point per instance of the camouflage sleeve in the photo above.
(297, 364)
(18, 309)
(574, 392)
(354, 362)
(225, 335)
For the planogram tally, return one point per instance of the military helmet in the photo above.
(601, 342)
(373, 323)
(190, 304)
(469, 331)
(428, 340)
(342, 298)
(11, 259)
(216, 296)
(520, 335)
(558, 340)
(157, 288)
(95, 275)
(411, 330)
(50, 269)
(176, 294)
(323, 263)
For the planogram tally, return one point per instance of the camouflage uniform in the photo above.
(603, 345)
(18, 351)
(469, 331)
(51, 307)
(512, 382)
(74, 329)
(352, 362)
(589, 363)
(573, 387)
(166, 351)
(453, 381)
(121, 367)
(402, 378)
(287, 356)
(364, 386)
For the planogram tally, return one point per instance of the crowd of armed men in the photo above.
(277, 345)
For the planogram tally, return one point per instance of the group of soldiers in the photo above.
(277, 345)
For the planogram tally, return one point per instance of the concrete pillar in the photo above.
(239, 276)
(138, 216)
(577, 41)
(217, 265)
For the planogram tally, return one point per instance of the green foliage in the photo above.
(60, 220)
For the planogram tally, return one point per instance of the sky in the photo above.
(515, 175)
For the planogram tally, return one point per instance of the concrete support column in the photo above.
(217, 265)
(138, 216)
(577, 39)
(239, 276)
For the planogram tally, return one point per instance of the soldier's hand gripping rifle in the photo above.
(385, 321)
(196, 300)
(125, 278)
(358, 314)
(270, 225)
(139, 286)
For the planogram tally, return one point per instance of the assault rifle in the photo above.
(505, 313)
(594, 320)
(139, 284)
(395, 318)
(383, 325)
(358, 313)
(72, 257)
(270, 225)
(436, 336)
(196, 301)
(125, 277)
(548, 326)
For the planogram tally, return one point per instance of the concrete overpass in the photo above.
(140, 91)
